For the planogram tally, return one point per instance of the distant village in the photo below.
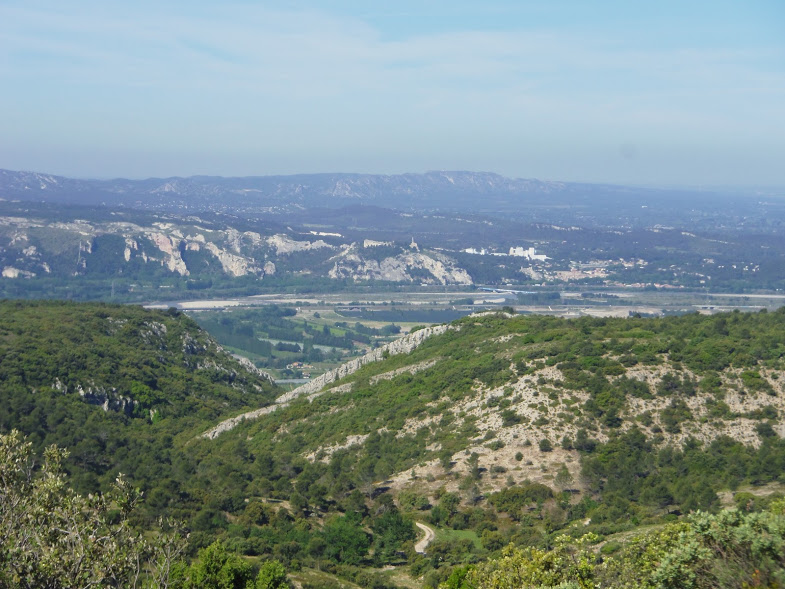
(515, 252)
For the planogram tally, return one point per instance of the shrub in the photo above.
(53, 537)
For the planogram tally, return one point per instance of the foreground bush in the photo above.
(51, 537)
(731, 549)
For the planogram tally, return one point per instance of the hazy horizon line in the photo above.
(664, 186)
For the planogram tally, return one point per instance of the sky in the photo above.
(666, 93)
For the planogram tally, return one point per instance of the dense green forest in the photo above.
(120, 387)
(525, 438)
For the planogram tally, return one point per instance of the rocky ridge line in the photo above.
(403, 345)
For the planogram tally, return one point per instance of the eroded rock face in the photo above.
(442, 270)
(283, 244)
(107, 398)
(170, 247)
(11, 272)
(251, 367)
(233, 264)
(441, 267)
(131, 245)
(355, 267)
(236, 253)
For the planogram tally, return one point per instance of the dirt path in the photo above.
(429, 537)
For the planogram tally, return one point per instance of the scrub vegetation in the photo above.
(543, 451)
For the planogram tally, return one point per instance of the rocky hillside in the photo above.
(320, 384)
(105, 379)
(518, 397)
(124, 253)
(503, 429)
(39, 247)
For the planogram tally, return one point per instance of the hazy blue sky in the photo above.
(666, 92)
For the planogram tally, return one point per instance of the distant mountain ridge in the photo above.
(407, 228)
(454, 190)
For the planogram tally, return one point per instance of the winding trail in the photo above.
(430, 535)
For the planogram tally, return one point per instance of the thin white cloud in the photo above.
(307, 80)
(283, 44)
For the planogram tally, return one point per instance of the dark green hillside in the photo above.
(116, 385)
(517, 429)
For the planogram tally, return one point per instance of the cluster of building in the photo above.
(515, 252)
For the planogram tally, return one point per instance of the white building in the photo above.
(529, 254)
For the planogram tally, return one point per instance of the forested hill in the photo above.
(103, 380)
(520, 428)
(540, 388)
(533, 431)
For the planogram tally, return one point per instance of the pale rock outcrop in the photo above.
(411, 369)
(131, 245)
(403, 345)
(233, 239)
(108, 399)
(171, 247)
(233, 422)
(238, 241)
(350, 264)
(76, 226)
(251, 367)
(312, 389)
(255, 238)
(355, 267)
(18, 237)
(441, 267)
(283, 244)
(231, 263)
(123, 227)
(11, 272)
(326, 452)
(20, 222)
(198, 238)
